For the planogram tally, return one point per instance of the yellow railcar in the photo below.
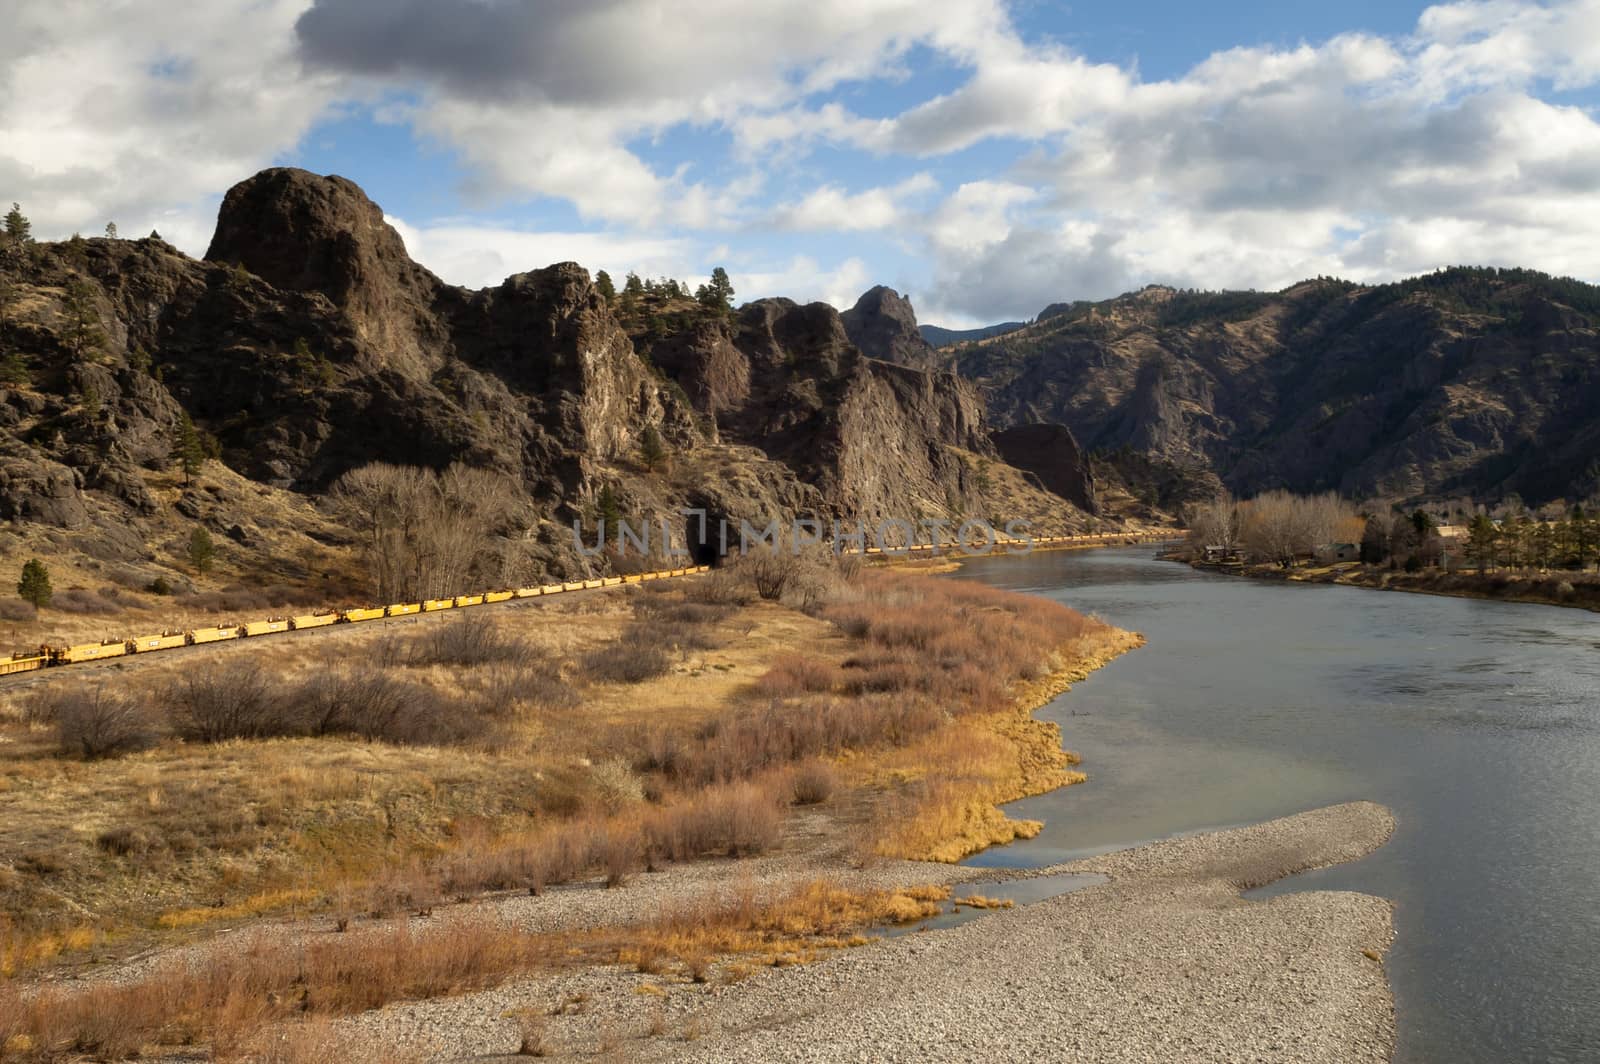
(528, 592)
(497, 596)
(633, 578)
(214, 634)
(165, 641)
(266, 627)
(649, 576)
(551, 589)
(468, 600)
(313, 620)
(610, 581)
(113, 648)
(591, 584)
(364, 613)
(434, 605)
(24, 662)
(572, 585)
(403, 609)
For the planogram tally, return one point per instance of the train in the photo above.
(50, 656)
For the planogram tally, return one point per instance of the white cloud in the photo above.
(145, 114)
(831, 208)
(1360, 155)
(804, 280)
(481, 256)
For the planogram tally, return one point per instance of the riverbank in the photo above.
(891, 721)
(1579, 590)
(1164, 961)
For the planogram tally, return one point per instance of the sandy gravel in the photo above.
(1164, 962)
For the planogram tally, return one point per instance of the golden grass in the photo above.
(978, 901)
(955, 780)
(184, 836)
(231, 998)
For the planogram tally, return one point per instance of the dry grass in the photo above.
(912, 693)
(228, 997)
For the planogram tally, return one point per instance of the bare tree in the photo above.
(1216, 523)
(425, 534)
(1279, 527)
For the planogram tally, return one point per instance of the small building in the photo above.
(1221, 554)
(1333, 553)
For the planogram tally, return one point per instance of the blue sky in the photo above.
(986, 157)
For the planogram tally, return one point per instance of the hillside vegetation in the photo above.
(1468, 382)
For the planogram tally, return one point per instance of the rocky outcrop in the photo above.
(1466, 382)
(1050, 453)
(883, 325)
(308, 343)
(879, 440)
(301, 232)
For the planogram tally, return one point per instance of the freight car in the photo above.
(48, 656)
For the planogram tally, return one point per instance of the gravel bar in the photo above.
(1164, 962)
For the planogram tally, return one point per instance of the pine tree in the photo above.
(139, 360)
(633, 286)
(718, 294)
(652, 449)
(191, 450)
(18, 227)
(1483, 543)
(201, 550)
(1583, 537)
(81, 306)
(602, 282)
(111, 230)
(34, 587)
(607, 509)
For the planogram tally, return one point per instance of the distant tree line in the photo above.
(715, 294)
(1274, 527)
(1279, 528)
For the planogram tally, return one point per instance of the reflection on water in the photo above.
(1477, 722)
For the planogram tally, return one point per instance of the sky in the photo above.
(985, 157)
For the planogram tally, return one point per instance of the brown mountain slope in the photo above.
(1471, 381)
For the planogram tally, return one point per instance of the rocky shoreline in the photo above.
(1164, 961)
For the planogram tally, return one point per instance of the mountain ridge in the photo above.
(1475, 381)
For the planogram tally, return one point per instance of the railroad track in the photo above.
(46, 657)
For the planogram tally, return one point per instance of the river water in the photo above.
(1477, 722)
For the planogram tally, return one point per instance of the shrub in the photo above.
(619, 849)
(795, 674)
(654, 608)
(16, 610)
(638, 656)
(812, 782)
(232, 700)
(468, 641)
(373, 704)
(123, 841)
(723, 587)
(619, 787)
(93, 722)
(82, 600)
(228, 600)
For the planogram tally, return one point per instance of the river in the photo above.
(1477, 722)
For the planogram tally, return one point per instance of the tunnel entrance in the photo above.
(704, 539)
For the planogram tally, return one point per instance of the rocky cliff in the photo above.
(308, 343)
(883, 324)
(1474, 382)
